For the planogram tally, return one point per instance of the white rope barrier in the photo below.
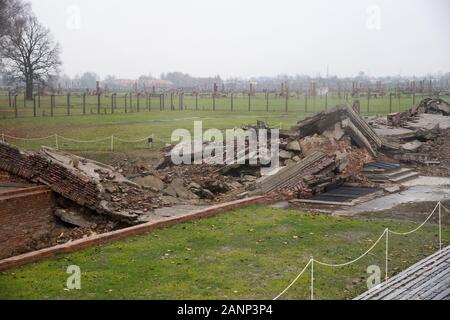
(355, 260)
(131, 141)
(386, 232)
(25, 139)
(295, 280)
(84, 141)
(419, 227)
(112, 139)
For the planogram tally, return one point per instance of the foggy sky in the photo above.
(250, 37)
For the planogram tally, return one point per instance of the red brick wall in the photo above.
(37, 167)
(24, 218)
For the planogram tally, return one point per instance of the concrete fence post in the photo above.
(306, 102)
(16, 113)
(68, 104)
(34, 105)
(138, 106)
(84, 103)
(98, 103)
(52, 98)
(232, 102)
(112, 103)
(286, 106)
(390, 102)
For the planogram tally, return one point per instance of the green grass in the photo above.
(128, 126)
(135, 125)
(296, 103)
(251, 253)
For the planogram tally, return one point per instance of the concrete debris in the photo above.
(426, 106)
(433, 106)
(291, 179)
(293, 146)
(74, 218)
(85, 182)
(150, 182)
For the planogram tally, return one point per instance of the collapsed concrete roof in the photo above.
(85, 182)
(352, 123)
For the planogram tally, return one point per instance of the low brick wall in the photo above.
(37, 167)
(124, 233)
(25, 215)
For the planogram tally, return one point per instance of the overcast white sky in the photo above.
(248, 38)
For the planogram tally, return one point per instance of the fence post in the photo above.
(171, 101)
(68, 104)
(34, 106)
(312, 278)
(52, 98)
(196, 101)
(98, 103)
(56, 142)
(84, 103)
(440, 226)
(9, 98)
(286, 101)
(15, 107)
(149, 102)
(267, 101)
(131, 102)
(306, 102)
(138, 104)
(160, 102)
(232, 102)
(390, 102)
(387, 254)
(249, 101)
(326, 101)
(112, 103)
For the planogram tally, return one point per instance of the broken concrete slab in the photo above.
(150, 181)
(290, 178)
(76, 219)
(293, 146)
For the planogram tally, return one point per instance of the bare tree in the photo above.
(11, 11)
(29, 53)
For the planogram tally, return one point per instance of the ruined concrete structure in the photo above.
(85, 182)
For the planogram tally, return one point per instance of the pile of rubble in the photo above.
(87, 183)
(426, 106)
(323, 151)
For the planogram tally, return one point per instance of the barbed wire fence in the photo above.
(13, 105)
(438, 208)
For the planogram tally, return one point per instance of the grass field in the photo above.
(135, 125)
(251, 253)
(258, 103)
